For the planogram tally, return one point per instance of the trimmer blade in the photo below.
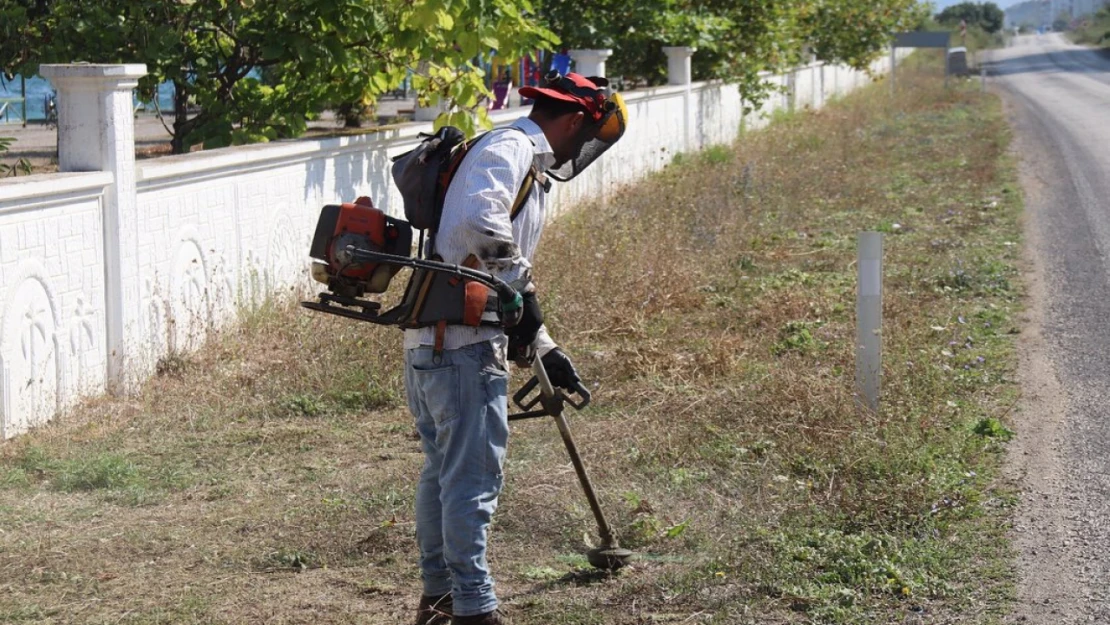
(609, 558)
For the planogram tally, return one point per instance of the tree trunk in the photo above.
(354, 114)
(181, 124)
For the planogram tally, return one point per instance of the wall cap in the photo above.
(40, 185)
(679, 50)
(104, 71)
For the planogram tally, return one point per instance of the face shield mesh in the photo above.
(597, 138)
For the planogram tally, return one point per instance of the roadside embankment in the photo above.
(270, 476)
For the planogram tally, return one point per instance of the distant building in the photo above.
(1076, 8)
(1031, 13)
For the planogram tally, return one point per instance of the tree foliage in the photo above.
(735, 39)
(22, 36)
(247, 70)
(854, 31)
(986, 15)
(20, 166)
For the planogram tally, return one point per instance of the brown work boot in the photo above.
(434, 610)
(489, 618)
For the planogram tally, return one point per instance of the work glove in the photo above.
(523, 334)
(560, 370)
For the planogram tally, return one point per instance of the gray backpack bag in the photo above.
(423, 174)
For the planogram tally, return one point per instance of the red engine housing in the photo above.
(362, 225)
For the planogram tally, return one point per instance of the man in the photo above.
(457, 382)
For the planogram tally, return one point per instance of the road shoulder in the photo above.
(1048, 571)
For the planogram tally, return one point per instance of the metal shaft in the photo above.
(580, 469)
(548, 392)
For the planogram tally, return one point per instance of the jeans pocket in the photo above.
(439, 389)
(492, 359)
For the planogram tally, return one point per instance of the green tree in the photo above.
(21, 165)
(853, 31)
(248, 70)
(986, 15)
(441, 41)
(22, 36)
(736, 39)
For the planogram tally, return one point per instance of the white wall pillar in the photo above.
(590, 62)
(821, 94)
(429, 113)
(679, 74)
(96, 132)
(678, 64)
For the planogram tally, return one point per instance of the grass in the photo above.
(270, 476)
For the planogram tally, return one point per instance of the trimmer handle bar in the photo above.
(550, 399)
(505, 292)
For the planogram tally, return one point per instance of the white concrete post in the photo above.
(96, 132)
(679, 74)
(429, 113)
(678, 64)
(590, 62)
(893, 68)
(823, 96)
(869, 320)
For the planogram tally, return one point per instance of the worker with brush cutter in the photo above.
(456, 376)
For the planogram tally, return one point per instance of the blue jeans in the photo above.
(461, 410)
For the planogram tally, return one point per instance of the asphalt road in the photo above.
(1058, 98)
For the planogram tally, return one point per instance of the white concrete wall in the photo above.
(213, 233)
(52, 315)
(221, 230)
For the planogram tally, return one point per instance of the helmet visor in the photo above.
(600, 138)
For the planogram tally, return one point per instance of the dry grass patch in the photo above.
(269, 478)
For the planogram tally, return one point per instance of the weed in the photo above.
(718, 154)
(541, 573)
(13, 477)
(990, 427)
(174, 363)
(303, 405)
(101, 471)
(288, 559)
(795, 336)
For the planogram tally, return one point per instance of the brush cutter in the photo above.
(352, 271)
(549, 401)
(610, 555)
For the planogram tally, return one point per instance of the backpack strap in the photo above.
(533, 176)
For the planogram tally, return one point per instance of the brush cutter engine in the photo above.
(358, 249)
(344, 228)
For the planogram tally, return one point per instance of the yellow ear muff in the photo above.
(615, 120)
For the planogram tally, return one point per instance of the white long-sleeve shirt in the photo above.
(476, 220)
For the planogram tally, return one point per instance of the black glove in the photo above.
(560, 370)
(523, 334)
